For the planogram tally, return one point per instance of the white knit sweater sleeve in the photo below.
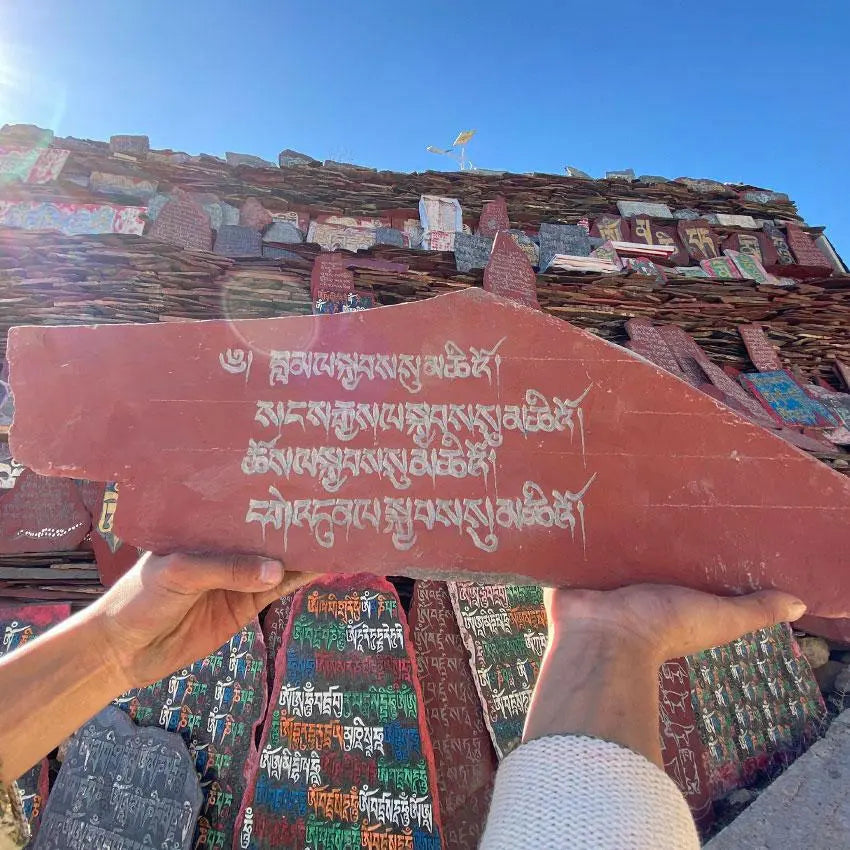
(585, 794)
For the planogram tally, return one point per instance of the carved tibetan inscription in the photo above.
(121, 786)
(509, 274)
(464, 432)
(504, 629)
(215, 705)
(463, 753)
(344, 758)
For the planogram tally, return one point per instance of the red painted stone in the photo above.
(184, 223)
(494, 217)
(804, 249)
(331, 279)
(611, 228)
(682, 347)
(509, 273)
(763, 353)
(42, 514)
(603, 470)
(698, 239)
(645, 230)
(836, 630)
(648, 342)
(842, 372)
(463, 754)
(253, 214)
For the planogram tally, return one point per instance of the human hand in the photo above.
(665, 621)
(169, 611)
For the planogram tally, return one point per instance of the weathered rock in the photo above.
(816, 651)
(826, 675)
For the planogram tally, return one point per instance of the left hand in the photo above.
(169, 611)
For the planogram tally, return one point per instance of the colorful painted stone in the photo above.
(780, 393)
(759, 246)
(345, 759)
(464, 757)
(606, 251)
(804, 249)
(184, 223)
(645, 266)
(645, 209)
(471, 252)
(270, 395)
(215, 705)
(274, 621)
(611, 228)
(73, 219)
(783, 252)
(644, 230)
(504, 630)
(721, 268)
(18, 625)
(698, 239)
(253, 214)
(508, 272)
(494, 217)
(139, 788)
(763, 354)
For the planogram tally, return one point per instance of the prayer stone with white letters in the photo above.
(398, 439)
(345, 759)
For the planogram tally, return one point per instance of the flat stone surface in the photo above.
(236, 240)
(645, 208)
(736, 220)
(804, 249)
(471, 252)
(722, 268)
(345, 758)
(389, 236)
(778, 391)
(184, 223)
(784, 257)
(253, 214)
(611, 228)
(509, 273)
(806, 807)
(464, 757)
(698, 238)
(133, 145)
(331, 279)
(762, 352)
(283, 232)
(609, 470)
(138, 786)
(215, 705)
(644, 229)
(555, 239)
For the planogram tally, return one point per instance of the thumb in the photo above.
(194, 574)
(743, 614)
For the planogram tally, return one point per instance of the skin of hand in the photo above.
(609, 645)
(164, 614)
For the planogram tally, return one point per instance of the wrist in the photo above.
(604, 641)
(101, 652)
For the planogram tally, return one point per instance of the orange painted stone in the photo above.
(465, 432)
(509, 273)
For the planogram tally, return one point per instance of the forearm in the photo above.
(49, 688)
(598, 684)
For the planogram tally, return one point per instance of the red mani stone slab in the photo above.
(566, 458)
(509, 273)
(648, 342)
(494, 217)
(804, 249)
(184, 223)
(611, 228)
(645, 230)
(699, 239)
(762, 352)
(331, 279)
(253, 214)
(463, 754)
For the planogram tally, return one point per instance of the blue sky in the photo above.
(742, 91)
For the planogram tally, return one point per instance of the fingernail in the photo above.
(271, 572)
(797, 609)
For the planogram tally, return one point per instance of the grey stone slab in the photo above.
(577, 172)
(653, 210)
(247, 159)
(806, 807)
(121, 785)
(236, 241)
(562, 239)
(627, 174)
(389, 236)
(686, 214)
(471, 252)
(283, 232)
(652, 178)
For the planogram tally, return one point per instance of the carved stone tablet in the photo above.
(494, 217)
(122, 786)
(236, 240)
(721, 268)
(736, 221)
(647, 231)
(648, 342)
(611, 228)
(280, 404)
(509, 273)
(471, 252)
(133, 145)
(389, 236)
(562, 239)
(698, 239)
(504, 630)
(283, 232)
(804, 249)
(345, 759)
(783, 252)
(762, 353)
(331, 279)
(215, 705)
(184, 223)
(463, 753)
(275, 621)
(779, 392)
(748, 266)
